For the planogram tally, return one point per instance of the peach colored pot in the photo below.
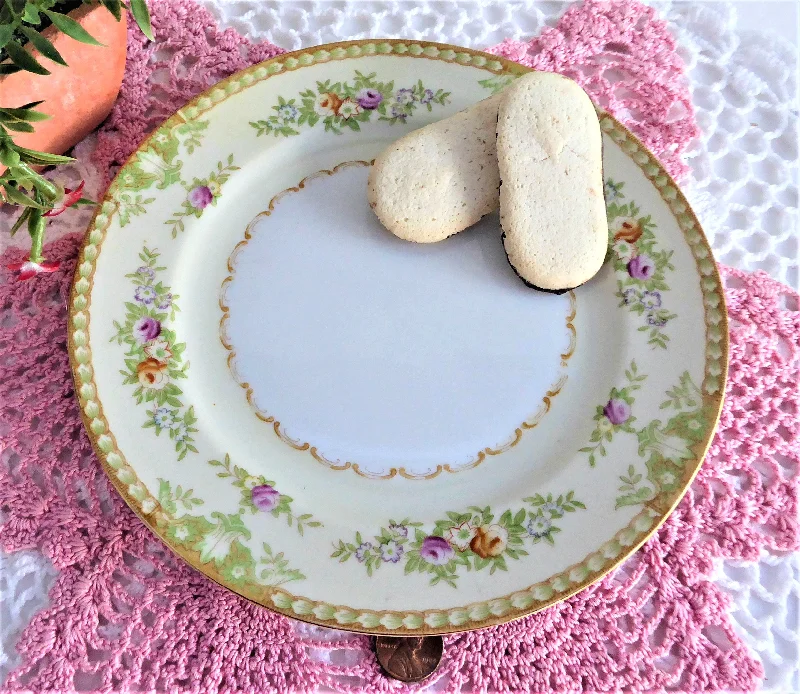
(78, 97)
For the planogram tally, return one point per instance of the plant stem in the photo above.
(47, 189)
(36, 227)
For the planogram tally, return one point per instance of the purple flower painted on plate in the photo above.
(427, 97)
(287, 112)
(146, 272)
(265, 497)
(200, 197)
(612, 191)
(145, 295)
(655, 321)
(398, 113)
(163, 417)
(404, 96)
(164, 302)
(629, 296)
(179, 432)
(391, 551)
(651, 299)
(398, 530)
(369, 98)
(146, 329)
(538, 526)
(436, 550)
(617, 411)
(552, 510)
(641, 267)
(361, 551)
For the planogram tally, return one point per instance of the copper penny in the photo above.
(409, 658)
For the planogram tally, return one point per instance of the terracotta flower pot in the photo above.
(79, 96)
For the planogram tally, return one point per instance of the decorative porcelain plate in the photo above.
(366, 433)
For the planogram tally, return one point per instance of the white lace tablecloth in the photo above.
(744, 187)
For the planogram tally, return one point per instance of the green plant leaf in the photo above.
(71, 28)
(23, 114)
(42, 158)
(6, 32)
(43, 45)
(21, 220)
(8, 156)
(18, 126)
(16, 196)
(142, 17)
(32, 104)
(43, 187)
(31, 14)
(24, 60)
(114, 7)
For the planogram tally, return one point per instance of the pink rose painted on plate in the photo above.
(641, 267)
(436, 550)
(146, 329)
(617, 411)
(200, 197)
(265, 497)
(369, 98)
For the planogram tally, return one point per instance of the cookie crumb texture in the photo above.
(549, 149)
(441, 179)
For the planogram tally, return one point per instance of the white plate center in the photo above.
(382, 352)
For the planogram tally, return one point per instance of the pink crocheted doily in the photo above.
(126, 614)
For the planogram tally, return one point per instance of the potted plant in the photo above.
(61, 65)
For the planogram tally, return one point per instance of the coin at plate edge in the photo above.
(409, 658)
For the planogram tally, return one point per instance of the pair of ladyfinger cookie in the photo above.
(539, 144)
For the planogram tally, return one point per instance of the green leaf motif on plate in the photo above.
(219, 541)
(131, 206)
(201, 193)
(664, 447)
(497, 83)
(154, 358)
(348, 105)
(615, 415)
(274, 569)
(155, 164)
(475, 539)
(667, 447)
(178, 499)
(640, 264)
(259, 495)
